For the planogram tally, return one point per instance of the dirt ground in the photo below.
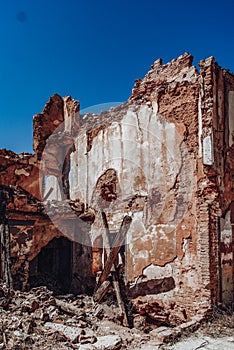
(215, 334)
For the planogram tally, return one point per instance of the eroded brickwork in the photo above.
(164, 158)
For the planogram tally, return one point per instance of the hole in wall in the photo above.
(52, 267)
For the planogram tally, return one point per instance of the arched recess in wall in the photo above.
(104, 196)
(55, 171)
(107, 190)
(65, 172)
(106, 199)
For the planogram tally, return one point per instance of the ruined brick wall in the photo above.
(173, 249)
(216, 124)
(165, 158)
(22, 178)
(30, 230)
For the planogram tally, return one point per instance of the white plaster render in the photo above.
(226, 260)
(186, 74)
(200, 124)
(51, 188)
(157, 272)
(226, 233)
(208, 151)
(21, 172)
(140, 145)
(67, 118)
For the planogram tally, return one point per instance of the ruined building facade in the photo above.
(165, 159)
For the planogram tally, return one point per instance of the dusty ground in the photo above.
(39, 320)
(216, 334)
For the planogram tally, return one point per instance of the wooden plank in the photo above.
(121, 304)
(103, 286)
(5, 241)
(101, 291)
(119, 240)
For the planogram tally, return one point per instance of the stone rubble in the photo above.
(33, 320)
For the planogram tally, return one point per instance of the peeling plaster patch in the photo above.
(185, 244)
(51, 189)
(153, 272)
(21, 172)
(67, 117)
(190, 279)
(163, 237)
(136, 231)
(199, 127)
(185, 75)
(143, 254)
(155, 107)
(135, 145)
(208, 150)
(226, 259)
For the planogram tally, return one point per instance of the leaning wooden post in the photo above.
(110, 265)
(118, 242)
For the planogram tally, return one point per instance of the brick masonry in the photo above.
(165, 158)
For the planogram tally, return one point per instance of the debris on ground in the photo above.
(38, 320)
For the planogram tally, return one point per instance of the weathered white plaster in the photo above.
(21, 172)
(137, 230)
(199, 127)
(208, 150)
(141, 145)
(157, 272)
(152, 165)
(67, 118)
(186, 74)
(51, 188)
(227, 259)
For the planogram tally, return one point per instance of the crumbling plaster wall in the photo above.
(217, 86)
(30, 229)
(152, 143)
(22, 178)
(165, 158)
(59, 116)
(173, 165)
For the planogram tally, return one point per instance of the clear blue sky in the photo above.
(94, 50)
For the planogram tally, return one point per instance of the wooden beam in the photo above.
(118, 242)
(103, 284)
(101, 291)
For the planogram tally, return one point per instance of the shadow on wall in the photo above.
(154, 286)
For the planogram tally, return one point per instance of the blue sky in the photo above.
(94, 50)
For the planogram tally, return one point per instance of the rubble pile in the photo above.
(38, 320)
